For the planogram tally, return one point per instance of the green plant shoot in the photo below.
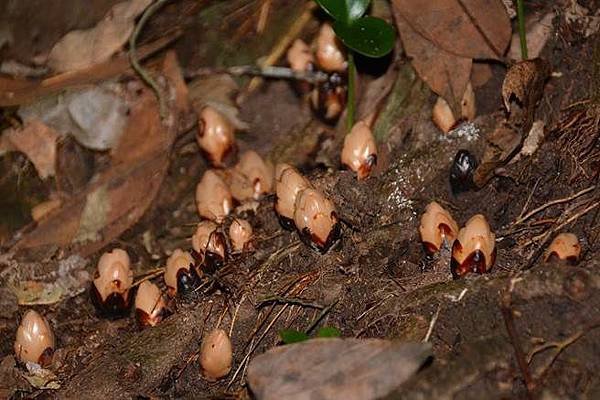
(366, 35)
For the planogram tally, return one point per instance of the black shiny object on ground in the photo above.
(461, 172)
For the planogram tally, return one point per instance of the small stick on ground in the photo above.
(530, 214)
(559, 347)
(149, 275)
(432, 323)
(288, 300)
(507, 315)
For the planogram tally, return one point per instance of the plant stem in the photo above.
(351, 84)
(522, 33)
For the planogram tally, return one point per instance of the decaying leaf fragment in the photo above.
(443, 37)
(333, 368)
(117, 197)
(522, 89)
(80, 49)
(37, 141)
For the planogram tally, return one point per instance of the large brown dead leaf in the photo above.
(349, 369)
(37, 141)
(82, 48)
(445, 73)
(17, 91)
(119, 196)
(477, 29)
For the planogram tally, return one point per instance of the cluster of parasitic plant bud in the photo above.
(328, 98)
(299, 204)
(360, 151)
(112, 292)
(442, 114)
(473, 246)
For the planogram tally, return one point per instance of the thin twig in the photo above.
(285, 41)
(507, 315)
(149, 275)
(252, 348)
(551, 203)
(266, 72)
(432, 323)
(143, 73)
(530, 197)
(288, 300)
(325, 311)
(560, 346)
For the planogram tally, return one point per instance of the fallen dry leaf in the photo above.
(37, 141)
(15, 91)
(501, 145)
(444, 36)
(539, 31)
(522, 89)
(82, 48)
(349, 369)
(117, 198)
(445, 73)
(478, 29)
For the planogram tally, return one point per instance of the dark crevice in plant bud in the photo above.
(461, 172)
(329, 98)
(114, 306)
(286, 223)
(314, 242)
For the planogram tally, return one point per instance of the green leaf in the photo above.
(328, 332)
(335, 8)
(356, 9)
(369, 36)
(289, 336)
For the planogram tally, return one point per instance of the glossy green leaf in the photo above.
(335, 8)
(369, 36)
(289, 336)
(329, 332)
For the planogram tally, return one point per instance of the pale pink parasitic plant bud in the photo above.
(329, 53)
(209, 244)
(360, 151)
(215, 135)
(442, 115)
(180, 275)
(150, 304)
(316, 219)
(564, 247)
(111, 287)
(437, 226)
(213, 198)
(258, 172)
(474, 249)
(299, 56)
(288, 183)
(240, 234)
(35, 341)
(216, 355)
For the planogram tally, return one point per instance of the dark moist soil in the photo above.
(376, 277)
